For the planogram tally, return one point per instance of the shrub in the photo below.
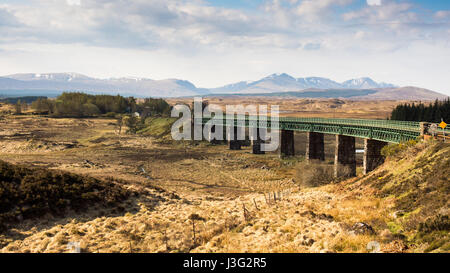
(314, 174)
(397, 149)
(133, 124)
(437, 223)
(30, 193)
(111, 115)
(18, 107)
(435, 232)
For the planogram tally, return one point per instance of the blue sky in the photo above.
(213, 43)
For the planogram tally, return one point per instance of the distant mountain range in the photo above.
(284, 82)
(397, 93)
(58, 82)
(52, 84)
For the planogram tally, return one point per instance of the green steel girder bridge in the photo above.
(376, 134)
(381, 130)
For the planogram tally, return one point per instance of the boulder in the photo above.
(362, 228)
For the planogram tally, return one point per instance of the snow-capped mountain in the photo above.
(61, 82)
(284, 82)
(53, 84)
(316, 82)
(365, 83)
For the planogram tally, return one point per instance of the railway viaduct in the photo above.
(376, 134)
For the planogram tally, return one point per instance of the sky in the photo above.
(213, 43)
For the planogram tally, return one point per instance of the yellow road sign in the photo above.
(443, 125)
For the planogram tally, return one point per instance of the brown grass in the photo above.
(182, 179)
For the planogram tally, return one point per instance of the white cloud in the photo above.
(314, 9)
(73, 2)
(442, 14)
(374, 2)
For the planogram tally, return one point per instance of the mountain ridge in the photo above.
(285, 82)
(275, 84)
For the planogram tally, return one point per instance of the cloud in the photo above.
(194, 30)
(7, 19)
(74, 2)
(374, 2)
(442, 14)
(315, 9)
(190, 26)
(312, 46)
(391, 12)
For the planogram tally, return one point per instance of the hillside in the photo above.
(403, 93)
(236, 201)
(414, 185)
(31, 193)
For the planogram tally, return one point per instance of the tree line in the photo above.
(25, 99)
(433, 112)
(85, 105)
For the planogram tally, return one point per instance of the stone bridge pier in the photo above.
(257, 141)
(345, 157)
(315, 147)
(372, 154)
(235, 144)
(345, 149)
(287, 148)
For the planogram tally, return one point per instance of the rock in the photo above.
(327, 217)
(362, 228)
(307, 241)
(313, 215)
(309, 213)
(398, 214)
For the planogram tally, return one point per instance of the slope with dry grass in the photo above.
(205, 198)
(30, 193)
(406, 199)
